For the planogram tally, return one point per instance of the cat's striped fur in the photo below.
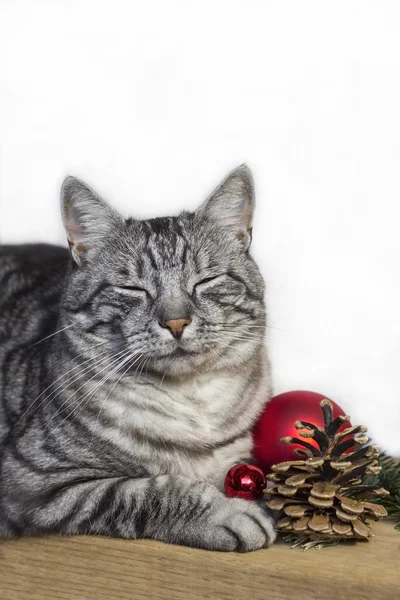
(108, 423)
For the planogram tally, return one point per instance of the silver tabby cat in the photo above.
(131, 374)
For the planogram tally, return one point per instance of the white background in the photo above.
(153, 102)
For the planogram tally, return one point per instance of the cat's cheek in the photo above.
(137, 325)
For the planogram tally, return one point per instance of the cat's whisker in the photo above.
(239, 339)
(249, 326)
(112, 361)
(147, 366)
(162, 379)
(125, 359)
(55, 381)
(243, 334)
(89, 394)
(244, 337)
(217, 354)
(241, 326)
(115, 370)
(139, 368)
(146, 360)
(53, 334)
(75, 377)
(130, 365)
(241, 329)
(238, 324)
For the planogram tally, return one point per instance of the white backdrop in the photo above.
(153, 102)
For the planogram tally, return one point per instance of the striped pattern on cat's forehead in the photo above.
(164, 243)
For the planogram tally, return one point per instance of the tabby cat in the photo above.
(131, 372)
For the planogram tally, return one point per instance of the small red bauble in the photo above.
(245, 481)
(277, 421)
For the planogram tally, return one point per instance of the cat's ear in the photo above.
(231, 205)
(87, 218)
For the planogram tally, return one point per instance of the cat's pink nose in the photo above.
(176, 326)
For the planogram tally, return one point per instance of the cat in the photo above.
(132, 369)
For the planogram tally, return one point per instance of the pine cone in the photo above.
(323, 495)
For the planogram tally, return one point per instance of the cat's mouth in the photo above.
(177, 352)
(177, 361)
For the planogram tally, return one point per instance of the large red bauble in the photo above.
(245, 481)
(277, 421)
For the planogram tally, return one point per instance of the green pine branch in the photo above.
(388, 478)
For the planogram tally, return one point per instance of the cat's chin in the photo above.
(178, 363)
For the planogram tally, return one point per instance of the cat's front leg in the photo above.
(167, 508)
(198, 515)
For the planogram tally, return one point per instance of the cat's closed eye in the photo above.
(208, 280)
(131, 290)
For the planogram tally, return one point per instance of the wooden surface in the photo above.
(90, 568)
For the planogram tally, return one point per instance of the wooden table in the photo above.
(94, 568)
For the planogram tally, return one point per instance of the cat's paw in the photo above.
(241, 526)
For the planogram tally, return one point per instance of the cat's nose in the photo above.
(176, 326)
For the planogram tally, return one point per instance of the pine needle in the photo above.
(388, 478)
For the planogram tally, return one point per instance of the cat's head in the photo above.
(182, 294)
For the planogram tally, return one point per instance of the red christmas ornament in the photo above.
(245, 481)
(277, 421)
